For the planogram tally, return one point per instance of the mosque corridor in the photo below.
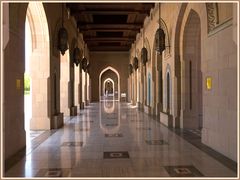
(112, 139)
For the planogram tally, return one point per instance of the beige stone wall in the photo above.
(220, 103)
(225, 11)
(101, 60)
(218, 61)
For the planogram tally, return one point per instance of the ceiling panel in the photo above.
(109, 26)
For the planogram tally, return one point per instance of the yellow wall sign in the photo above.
(209, 83)
(18, 84)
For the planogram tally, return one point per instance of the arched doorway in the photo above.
(108, 88)
(192, 78)
(112, 73)
(37, 67)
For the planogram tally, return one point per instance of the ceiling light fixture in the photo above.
(62, 37)
(160, 37)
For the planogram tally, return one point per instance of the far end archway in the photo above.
(118, 80)
(108, 87)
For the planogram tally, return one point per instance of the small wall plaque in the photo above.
(18, 84)
(209, 83)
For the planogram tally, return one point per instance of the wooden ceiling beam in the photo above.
(108, 12)
(91, 26)
(100, 6)
(109, 48)
(110, 30)
(109, 39)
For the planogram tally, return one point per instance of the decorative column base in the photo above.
(73, 111)
(87, 102)
(81, 105)
(176, 123)
(57, 121)
(140, 106)
(133, 102)
(147, 109)
(166, 119)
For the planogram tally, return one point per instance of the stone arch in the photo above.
(191, 74)
(200, 9)
(115, 71)
(177, 63)
(104, 85)
(39, 72)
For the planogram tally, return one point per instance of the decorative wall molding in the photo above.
(212, 16)
(221, 27)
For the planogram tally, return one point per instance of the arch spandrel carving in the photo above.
(212, 16)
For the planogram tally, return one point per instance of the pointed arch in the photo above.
(39, 65)
(192, 74)
(100, 75)
(104, 85)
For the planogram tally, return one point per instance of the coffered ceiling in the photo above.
(109, 26)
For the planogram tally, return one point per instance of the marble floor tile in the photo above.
(135, 143)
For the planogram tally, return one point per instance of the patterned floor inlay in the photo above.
(81, 129)
(72, 144)
(86, 121)
(156, 142)
(115, 155)
(53, 172)
(143, 128)
(183, 171)
(114, 135)
(136, 120)
(111, 124)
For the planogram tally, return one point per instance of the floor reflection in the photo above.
(109, 116)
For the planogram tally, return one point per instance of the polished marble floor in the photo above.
(112, 139)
